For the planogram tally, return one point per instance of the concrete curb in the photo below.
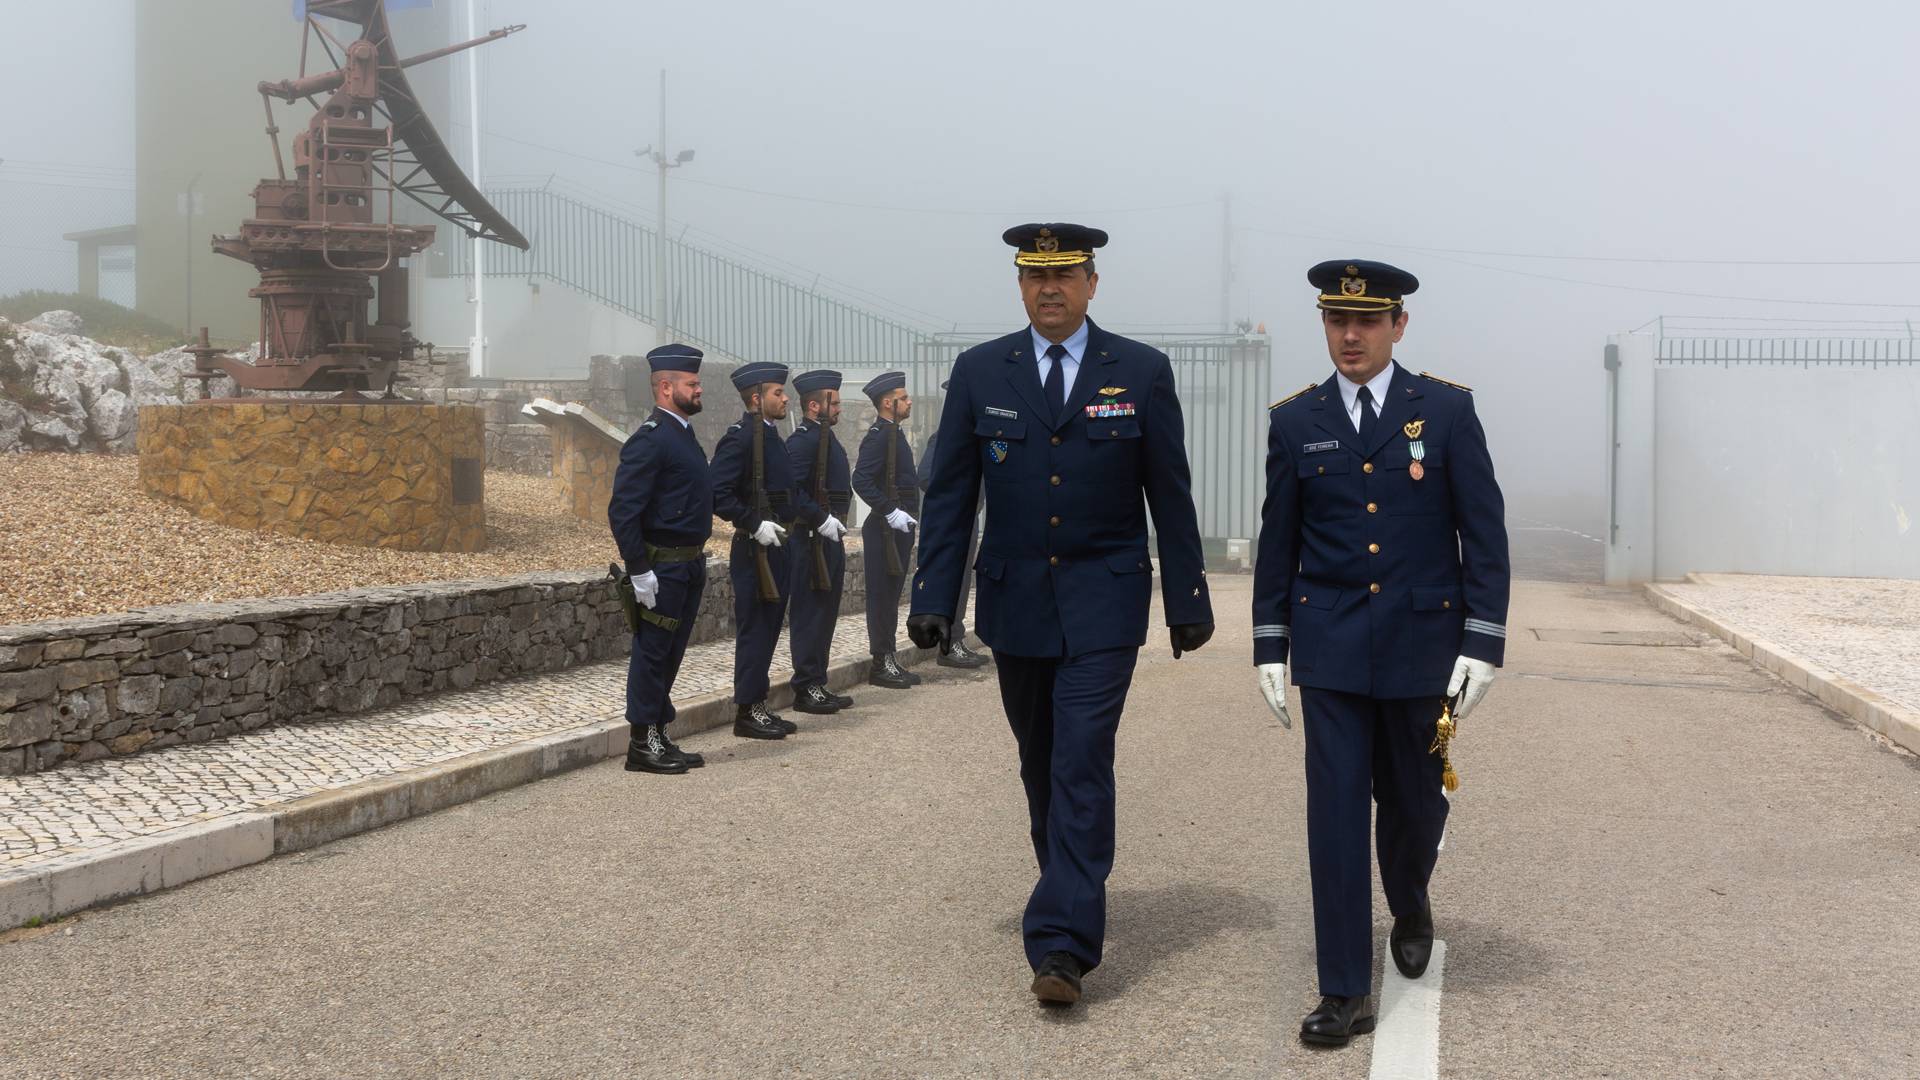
(196, 850)
(1850, 699)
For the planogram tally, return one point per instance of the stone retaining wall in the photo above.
(377, 475)
(81, 689)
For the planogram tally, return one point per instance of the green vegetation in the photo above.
(106, 322)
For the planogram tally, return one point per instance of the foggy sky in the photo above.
(1631, 129)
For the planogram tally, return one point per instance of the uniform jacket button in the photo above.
(1054, 521)
(1374, 588)
(1373, 549)
(1448, 604)
(1056, 480)
(1323, 470)
(1053, 560)
(1367, 468)
(1373, 508)
(1056, 440)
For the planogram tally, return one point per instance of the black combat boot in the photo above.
(755, 722)
(693, 760)
(816, 700)
(962, 657)
(886, 672)
(649, 751)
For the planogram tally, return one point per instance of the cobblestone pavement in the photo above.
(74, 810)
(1866, 630)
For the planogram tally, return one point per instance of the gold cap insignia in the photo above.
(1354, 270)
(1353, 286)
(1414, 428)
(1047, 242)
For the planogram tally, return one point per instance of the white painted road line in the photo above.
(1406, 1044)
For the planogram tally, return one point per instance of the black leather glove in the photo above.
(928, 630)
(1186, 638)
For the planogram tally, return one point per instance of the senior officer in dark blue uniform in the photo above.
(1069, 426)
(885, 480)
(822, 494)
(757, 564)
(1383, 578)
(662, 514)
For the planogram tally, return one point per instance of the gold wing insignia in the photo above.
(1445, 382)
(1293, 395)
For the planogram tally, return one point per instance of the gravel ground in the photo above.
(141, 552)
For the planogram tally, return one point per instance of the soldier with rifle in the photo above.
(823, 492)
(885, 479)
(753, 489)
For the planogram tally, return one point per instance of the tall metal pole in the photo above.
(660, 334)
(191, 184)
(1226, 262)
(477, 348)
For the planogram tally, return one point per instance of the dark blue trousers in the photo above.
(756, 622)
(810, 626)
(654, 661)
(1361, 748)
(1064, 713)
(883, 589)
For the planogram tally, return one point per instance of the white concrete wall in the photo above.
(1781, 470)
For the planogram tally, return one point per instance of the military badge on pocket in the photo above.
(997, 450)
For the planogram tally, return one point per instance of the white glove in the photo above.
(770, 534)
(1476, 676)
(1273, 687)
(832, 529)
(646, 588)
(900, 520)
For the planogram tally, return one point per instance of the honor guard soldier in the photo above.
(960, 656)
(1382, 580)
(753, 489)
(662, 514)
(1077, 433)
(885, 479)
(822, 494)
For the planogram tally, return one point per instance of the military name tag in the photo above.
(1004, 414)
(1320, 447)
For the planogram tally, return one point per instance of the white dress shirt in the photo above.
(684, 422)
(1377, 386)
(1076, 345)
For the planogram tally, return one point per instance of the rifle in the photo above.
(822, 581)
(762, 506)
(892, 479)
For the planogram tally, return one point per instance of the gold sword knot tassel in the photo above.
(1443, 732)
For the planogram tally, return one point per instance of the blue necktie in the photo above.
(1367, 419)
(1056, 386)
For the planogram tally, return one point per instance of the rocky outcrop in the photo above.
(60, 390)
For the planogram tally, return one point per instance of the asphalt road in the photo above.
(1662, 864)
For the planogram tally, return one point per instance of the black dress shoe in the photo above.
(962, 657)
(1411, 942)
(648, 751)
(1337, 1020)
(693, 760)
(1057, 980)
(887, 672)
(814, 699)
(755, 722)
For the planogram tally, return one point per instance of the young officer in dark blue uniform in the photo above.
(891, 491)
(662, 514)
(819, 555)
(757, 564)
(1077, 433)
(1383, 577)
(960, 656)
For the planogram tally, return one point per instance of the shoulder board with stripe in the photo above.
(651, 424)
(1293, 395)
(1445, 382)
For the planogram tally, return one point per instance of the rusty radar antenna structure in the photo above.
(315, 237)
